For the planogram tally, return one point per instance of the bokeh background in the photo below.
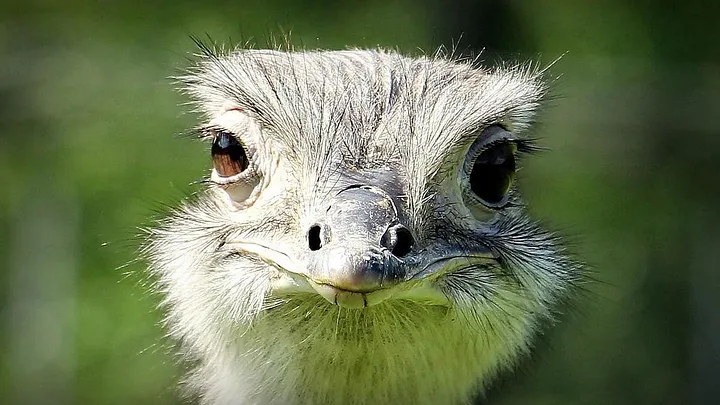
(89, 151)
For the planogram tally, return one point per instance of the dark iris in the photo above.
(228, 155)
(493, 173)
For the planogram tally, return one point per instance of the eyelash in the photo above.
(209, 132)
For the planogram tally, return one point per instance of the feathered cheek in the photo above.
(241, 287)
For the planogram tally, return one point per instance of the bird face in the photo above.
(370, 189)
(349, 234)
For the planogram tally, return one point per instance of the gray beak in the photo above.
(359, 245)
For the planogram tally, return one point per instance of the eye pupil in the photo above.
(228, 155)
(493, 173)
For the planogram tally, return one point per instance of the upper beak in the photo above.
(358, 247)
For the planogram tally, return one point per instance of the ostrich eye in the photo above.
(228, 154)
(493, 173)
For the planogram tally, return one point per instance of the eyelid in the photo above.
(493, 135)
(210, 131)
(487, 141)
(216, 178)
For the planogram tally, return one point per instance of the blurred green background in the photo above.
(89, 151)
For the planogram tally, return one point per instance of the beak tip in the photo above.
(349, 299)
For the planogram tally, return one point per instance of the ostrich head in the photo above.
(361, 239)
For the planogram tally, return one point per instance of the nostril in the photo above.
(399, 240)
(314, 241)
(403, 243)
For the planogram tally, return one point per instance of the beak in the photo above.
(358, 247)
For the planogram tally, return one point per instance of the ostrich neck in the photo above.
(312, 353)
